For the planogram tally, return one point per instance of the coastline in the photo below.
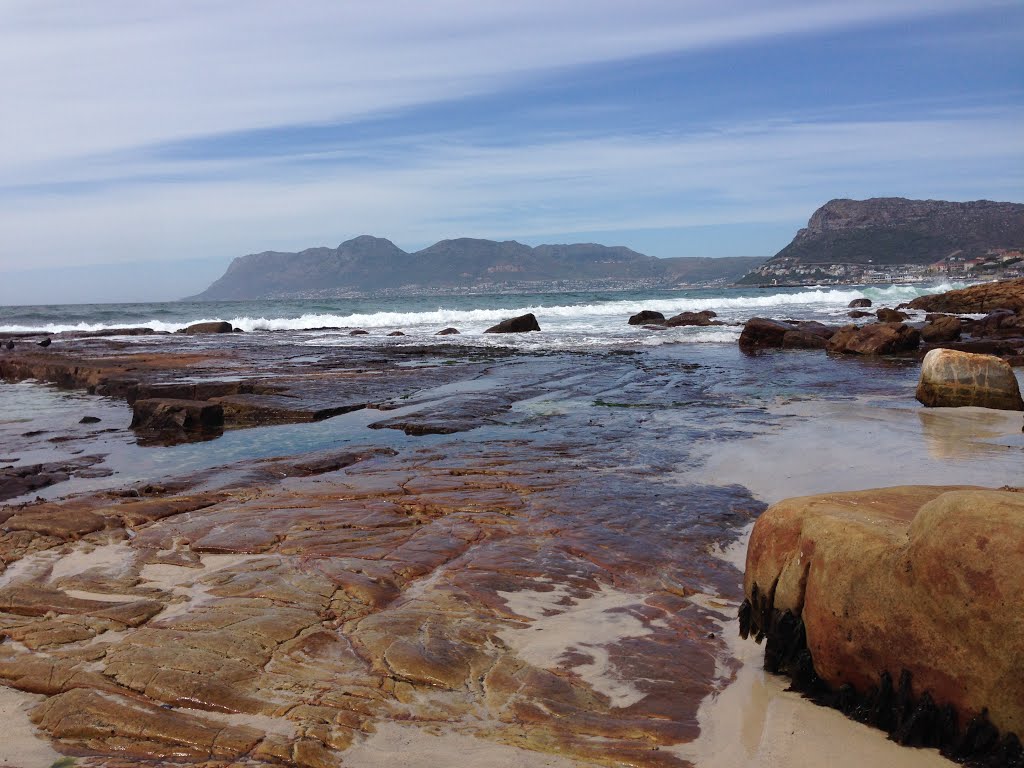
(570, 499)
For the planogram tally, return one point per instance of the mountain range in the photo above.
(369, 265)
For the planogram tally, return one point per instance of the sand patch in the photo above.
(185, 582)
(106, 558)
(561, 624)
(20, 745)
(407, 745)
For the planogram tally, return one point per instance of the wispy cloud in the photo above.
(159, 130)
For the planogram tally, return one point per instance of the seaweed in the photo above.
(909, 718)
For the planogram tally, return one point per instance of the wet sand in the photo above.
(755, 721)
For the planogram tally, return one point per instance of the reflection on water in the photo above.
(970, 432)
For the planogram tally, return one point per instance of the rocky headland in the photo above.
(893, 237)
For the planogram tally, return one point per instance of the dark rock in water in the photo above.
(1005, 294)
(358, 332)
(953, 379)
(1000, 324)
(942, 328)
(396, 333)
(45, 342)
(168, 414)
(886, 315)
(999, 347)
(211, 327)
(760, 332)
(10, 343)
(521, 324)
(90, 420)
(646, 316)
(655, 327)
(447, 332)
(859, 303)
(813, 326)
(859, 313)
(692, 318)
(799, 339)
(875, 339)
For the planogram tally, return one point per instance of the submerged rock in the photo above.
(863, 302)
(521, 324)
(920, 585)
(646, 316)
(168, 414)
(953, 378)
(875, 339)
(448, 332)
(857, 313)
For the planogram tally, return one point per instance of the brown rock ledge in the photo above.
(902, 608)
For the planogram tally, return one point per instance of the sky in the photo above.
(145, 145)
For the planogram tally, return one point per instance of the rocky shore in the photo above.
(369, 556)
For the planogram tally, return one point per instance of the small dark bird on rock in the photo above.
(45, 342)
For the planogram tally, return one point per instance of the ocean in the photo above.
(568, 320)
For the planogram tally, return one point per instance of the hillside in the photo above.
(369, 265)
(892, 232)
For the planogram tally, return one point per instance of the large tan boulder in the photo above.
(916, 580)
(953, 378)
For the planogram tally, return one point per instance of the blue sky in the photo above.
(144, 145)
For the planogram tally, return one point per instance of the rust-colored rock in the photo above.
(942, 328)
(702, 318)
(886, 315)
(1005, 294)
(875, 339)
(952, 378)
(918, 580)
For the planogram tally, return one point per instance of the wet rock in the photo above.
(645, 316)
(211, 327)
(857, 313)
(875, 339)
(886, 315)
(45, 342)
(953, 378)
(396, 333)
(137, 729)
(1004, 294)
(863, 302)
(166, 414)
(760, 332)
(522, 324)
(358, 332)
(1001, 323)
(942, 328)
(906, 584)
(692, 318)
(90, 420)
(655, 327)
(447, 332)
